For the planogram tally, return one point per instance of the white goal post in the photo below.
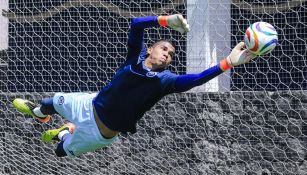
(209, 40)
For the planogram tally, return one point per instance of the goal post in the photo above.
(209, 40)
(3, 44)
(4, 26)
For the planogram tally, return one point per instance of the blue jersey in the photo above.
(135, 89)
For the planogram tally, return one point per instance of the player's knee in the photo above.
(47, 107)
(60, 150)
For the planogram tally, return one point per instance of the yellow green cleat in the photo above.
(26, 107)
(52, 134)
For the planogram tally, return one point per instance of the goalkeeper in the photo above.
(97, 118)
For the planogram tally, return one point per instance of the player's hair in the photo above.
(162, 40)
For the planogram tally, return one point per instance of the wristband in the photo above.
(162, 20)
(224, 65)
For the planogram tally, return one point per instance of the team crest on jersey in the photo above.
(61, 100)
(151, 74)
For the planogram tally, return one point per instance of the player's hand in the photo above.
(239, 55)
(176, 22)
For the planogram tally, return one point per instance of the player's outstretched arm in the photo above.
(176, 22)
(136, 34)
(238, 56)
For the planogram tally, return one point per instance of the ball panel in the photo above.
(269, 46)
(256, 41)
(260, 38)
(265, 28)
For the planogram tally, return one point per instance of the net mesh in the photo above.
(76, 45)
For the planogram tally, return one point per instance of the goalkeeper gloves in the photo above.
(176, 22)
(237, 57)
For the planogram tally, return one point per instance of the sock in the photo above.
(37, 111)
(63, 134)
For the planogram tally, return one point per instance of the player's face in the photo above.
(161, 54)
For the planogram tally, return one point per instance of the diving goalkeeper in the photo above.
(96, 119)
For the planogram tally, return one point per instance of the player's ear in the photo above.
(149, 50)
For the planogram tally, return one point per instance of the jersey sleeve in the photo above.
(168, 81)
(188, 81)
(136, 36)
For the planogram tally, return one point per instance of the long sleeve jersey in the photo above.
(134, 89)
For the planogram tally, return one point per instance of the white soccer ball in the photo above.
(260, 38)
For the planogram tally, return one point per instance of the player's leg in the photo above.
(60, 152)
(59, 135)
(40, 112)
(47, 107)
(87, 136)
(59, 104)
(55, 135)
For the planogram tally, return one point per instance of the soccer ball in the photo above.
(260, 38)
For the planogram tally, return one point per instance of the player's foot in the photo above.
(52, 134)
(26, 107)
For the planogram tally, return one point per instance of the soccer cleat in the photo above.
(52, 134)
(26, 107)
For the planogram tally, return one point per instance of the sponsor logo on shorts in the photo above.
(61, 100)
(151, 74)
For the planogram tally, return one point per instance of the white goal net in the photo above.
(250, 120)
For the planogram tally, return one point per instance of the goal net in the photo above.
(250, 120)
